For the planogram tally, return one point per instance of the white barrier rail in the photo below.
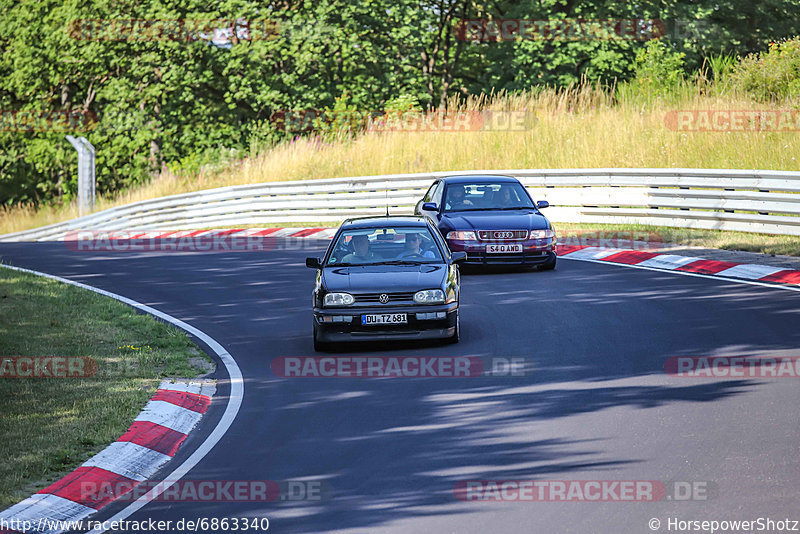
(719, 199)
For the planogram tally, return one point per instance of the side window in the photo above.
(431, 190)
(437, 194)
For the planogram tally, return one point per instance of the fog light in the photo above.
(428, 316)
(336, 318)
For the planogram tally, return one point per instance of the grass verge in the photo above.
(49, 426)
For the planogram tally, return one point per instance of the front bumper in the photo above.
(534, 252)
(351, 328)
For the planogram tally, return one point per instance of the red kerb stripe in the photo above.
(784, 277)
(307, 232)
(156, 437)
(91, 486)
(190, 401)
(707, 266)
(630, 257)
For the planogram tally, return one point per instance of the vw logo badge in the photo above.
(384, 298)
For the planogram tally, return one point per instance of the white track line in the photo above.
(228, 416)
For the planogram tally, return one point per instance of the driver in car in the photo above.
(456, 198)
(361, 253)
(412, 248)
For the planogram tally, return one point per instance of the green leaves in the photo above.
(188, 100)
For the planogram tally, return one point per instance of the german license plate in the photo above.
(384, 318)
(503, 249)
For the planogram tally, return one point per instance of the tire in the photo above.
(320, 346)
(452, 340)
(550, 265)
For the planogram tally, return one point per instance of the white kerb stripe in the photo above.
(169, 415)
(200, 387)
(129, 460)
(750, 271)
(593, 253)
(326, 233)
(283, 232)
(668, 261)
(43, 507)
(206, 232)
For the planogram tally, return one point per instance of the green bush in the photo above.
(773, 75)
(658, 73)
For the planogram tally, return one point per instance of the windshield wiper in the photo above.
(516, 208)
(399, 262)
(471, 209)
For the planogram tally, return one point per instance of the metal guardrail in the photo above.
(739, 200)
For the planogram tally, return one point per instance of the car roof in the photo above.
(385, 222)
(479, 179)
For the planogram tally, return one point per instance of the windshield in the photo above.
(486, 196)
(385, 246)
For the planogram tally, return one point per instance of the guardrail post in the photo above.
(86, 174)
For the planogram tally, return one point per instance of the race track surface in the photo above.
(594, 403)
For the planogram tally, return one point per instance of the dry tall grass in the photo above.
(580, 126)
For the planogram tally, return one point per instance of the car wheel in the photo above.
(454, 338)
(319, 346)
(549, 266)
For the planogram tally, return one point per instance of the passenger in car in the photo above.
(361, 250)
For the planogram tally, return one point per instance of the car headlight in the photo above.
(462, 236)
(338, 299)
(541, 234)
(429, 296)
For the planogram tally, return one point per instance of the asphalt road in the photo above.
(594, 403)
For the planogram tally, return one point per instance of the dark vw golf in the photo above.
(386, 278)
(491, 218)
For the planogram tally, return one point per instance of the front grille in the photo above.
(503, 235)
(375, 298)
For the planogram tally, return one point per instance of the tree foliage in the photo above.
(182, 101)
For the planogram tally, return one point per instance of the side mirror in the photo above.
(430, 206)
(313, 263)
(458, 257)
(542, 204)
